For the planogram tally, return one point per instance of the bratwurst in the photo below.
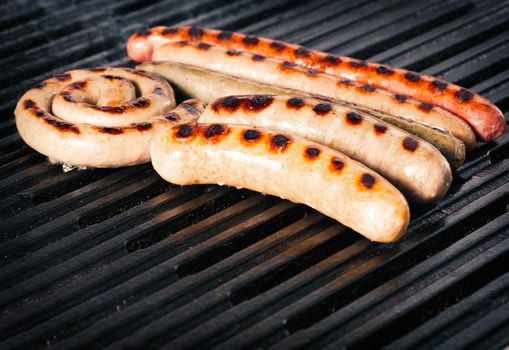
(483, 116)
(290, 167)
(414, 166)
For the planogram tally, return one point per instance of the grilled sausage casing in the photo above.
(413, 165)
(482, 115)
(286, 166)
(207, 85)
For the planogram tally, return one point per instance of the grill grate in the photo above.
(120, 258)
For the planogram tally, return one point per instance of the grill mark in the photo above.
(110, 109)
(258, 103)
(185, 130)
(233, 52)
(384, 70)
(41, 85)
(440, 85)
(367, 180)
(215, 132)
(322, 108)
(58, 124)
(353, 118)
(426, 107)
(204, 46)
(97, 70)
(250, 40)
(172, 116)
(379, 129)
(413, 77)
(302, 52)
(400, 98)
(189, 107)
(280, 142)
(141, 103)
(251, 136)
(464, 95)
(113, 77)
(182, 42)
(277, 45)
(312, 153)
(257, 57)
(295, 103)
(229, 103)
(143, 126)
(224, 35)
(78, 85)
(312, 72)
(62, 77)
(110, 130)
(336, 165)
(331, 59)
(368, 88)
(346, 82)
(410, 144)
(195, 32)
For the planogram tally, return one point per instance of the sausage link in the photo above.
(411, 164)
(290, 76)
(207, 85)
(59, 117)
(280, 165)
(483, 116)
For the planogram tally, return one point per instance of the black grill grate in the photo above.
(119, 258)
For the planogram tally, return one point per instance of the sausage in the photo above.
(483, 116)
(414, 166)
(60, 118)
(290, 76)
(290, 167)
(206, 85)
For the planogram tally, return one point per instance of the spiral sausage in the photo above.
(92, 117)
(484, 117)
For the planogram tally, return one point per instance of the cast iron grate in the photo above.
(119, 258)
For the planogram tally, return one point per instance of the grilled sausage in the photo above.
(289, 76)
(115, 133)
(207, 85)
(484, 117)
(411, 164)
(286, 166)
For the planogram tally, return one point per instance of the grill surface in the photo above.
(119, 258)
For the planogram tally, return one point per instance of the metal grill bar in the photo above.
(119, 258)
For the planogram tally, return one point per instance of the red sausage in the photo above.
(484, 117)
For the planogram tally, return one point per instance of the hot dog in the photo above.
(207, 85)
(484, 117)
(286, 166)
(411, 164)
(60, 117)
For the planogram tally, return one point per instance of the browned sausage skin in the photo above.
(287, 166)
(286, 75)
(484, 117)
(414, 166)
(61, 119)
